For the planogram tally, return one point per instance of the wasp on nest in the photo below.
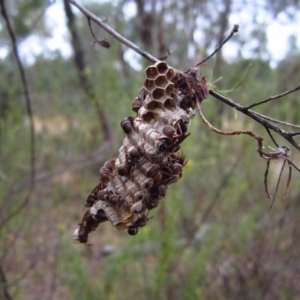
(149, 159)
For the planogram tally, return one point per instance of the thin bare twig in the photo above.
(294, 133)
(285, 154)
(288, 181)
(292, 164)
(275, 120)
(4, 283)
(253, 115)
(234, 30)
(271, 136)
(80, 64)
(266, 182)
(274, 97)
(277, 184)
(258, 138)
(280, 152)
(115, 34)
(104, 43)
(28, 105)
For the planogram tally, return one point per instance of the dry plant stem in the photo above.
(292, 164)
(288, 136)
(295, 133)
(234, 30)
(277, 121)
(29, 113)
(274, 97)
(271, 136)
(91, 30)
(237, 132)
(284, 153)
(287, 188)
(104, 43)
(25, 90)
(86, 81)
(288, 182)
(115, 34)
(3, 281)
(278, 154)
(277, 184)
(274, 141)
(266, 155)
(266, 181)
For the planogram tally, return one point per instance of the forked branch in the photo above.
(274, 97)
(267, 122)
(234, 30)
(263, 120)
(114, 33)
(279, 153)
(288, 136)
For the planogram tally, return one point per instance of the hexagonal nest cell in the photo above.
(148, 116)
(149, 84)
(161, 81)
(154, 105)
(162, 67)
(151, 72)
(158, 93)
(170, 74)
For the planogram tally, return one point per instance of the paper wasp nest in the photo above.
(149, 159)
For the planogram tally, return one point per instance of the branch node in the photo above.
(234, 30)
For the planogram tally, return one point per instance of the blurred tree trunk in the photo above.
(79, 61)
(145, 24)
(162, 48)
(145, 27)
(223, 26)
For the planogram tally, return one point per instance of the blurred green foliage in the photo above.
(212, 237)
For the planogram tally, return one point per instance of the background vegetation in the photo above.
(212, 237)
